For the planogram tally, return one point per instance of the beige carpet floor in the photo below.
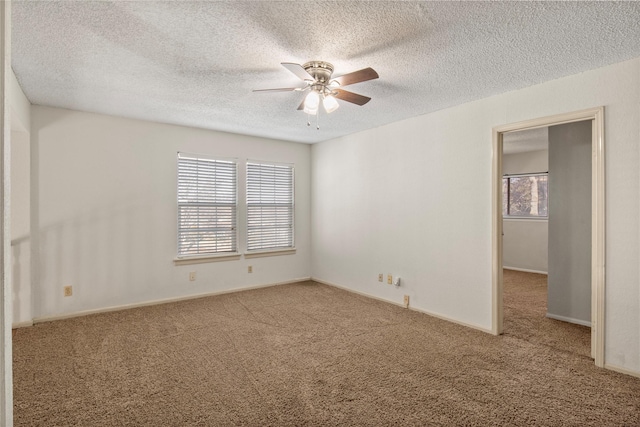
(525, 306)
(312, 355)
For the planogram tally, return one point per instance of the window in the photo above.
(207, 206)
(525, 195)
(270, 207)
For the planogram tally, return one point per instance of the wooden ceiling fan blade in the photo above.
(354, 98)
(297, 70)
(279, 89)
(357, 76)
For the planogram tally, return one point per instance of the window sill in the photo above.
(525, 218)
(206, 258)
(271, 252)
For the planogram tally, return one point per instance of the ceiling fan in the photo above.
(317, 78)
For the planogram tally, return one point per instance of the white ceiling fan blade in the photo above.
(279, 89)
(297, 70)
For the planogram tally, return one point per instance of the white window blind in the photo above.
(207, 206)
(270, 206)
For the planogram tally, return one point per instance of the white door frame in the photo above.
(596, 115)
(6, 382)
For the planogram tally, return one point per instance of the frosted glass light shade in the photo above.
(312, 100)
(312, 111)
(330, 104)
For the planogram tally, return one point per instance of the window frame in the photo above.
(507, 196)
(183, 258)
(273, 250)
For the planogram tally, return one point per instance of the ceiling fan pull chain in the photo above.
(308, 120)
(318, 119)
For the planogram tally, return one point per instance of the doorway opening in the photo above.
(597, 232)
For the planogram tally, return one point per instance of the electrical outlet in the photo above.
(192, 276)
(389, 279)
(68, 291)
(250, 269)
(406, 301)
(380, 277)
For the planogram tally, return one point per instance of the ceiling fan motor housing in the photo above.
(319, 70)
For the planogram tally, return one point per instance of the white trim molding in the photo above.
(596, 116)
(525, 219)
(269, 252)
(622, 370)
(401, 304)
(526, 270)
(6, 367)
(568, 319)
(200, 259)
(18, 325)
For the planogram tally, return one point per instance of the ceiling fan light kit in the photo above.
(311, 102)
(330, 104)
(317, 78)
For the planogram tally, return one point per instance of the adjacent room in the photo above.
(320, 213)
(547, 251)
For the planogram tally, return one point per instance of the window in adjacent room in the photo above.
(525, 195)
(207, 206)
(270, 206)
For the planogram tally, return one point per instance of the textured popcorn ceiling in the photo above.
(195, 63)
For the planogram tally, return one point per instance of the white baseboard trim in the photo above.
(449, 319)
(26, 324)
(344, 288)
(622, 370)
(568, 319)
(419, 310)
(526, 270)
(160, 301)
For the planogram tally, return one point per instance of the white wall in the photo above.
(525, 241)
(20, 106)
(104, 211)
(20, 228)
(569, 284)
(20, 204)
(526, 162)
(413, 198)
(525, 245)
